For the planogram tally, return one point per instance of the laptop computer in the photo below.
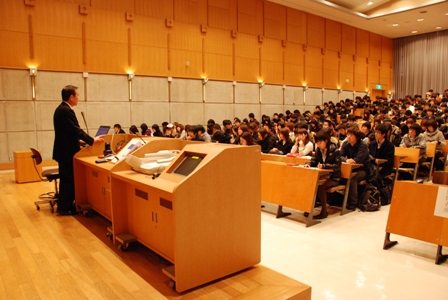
(103, 130)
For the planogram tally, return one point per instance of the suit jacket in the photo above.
(67, 133)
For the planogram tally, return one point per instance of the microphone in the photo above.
(137, 134)
(84, 118)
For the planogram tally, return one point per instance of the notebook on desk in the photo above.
(103, 130)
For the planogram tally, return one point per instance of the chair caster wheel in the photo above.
(123, 247)
(172, 284)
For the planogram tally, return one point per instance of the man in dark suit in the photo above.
(66, 144)
(382, 148)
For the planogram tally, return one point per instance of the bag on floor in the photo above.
(385, 190)
(371, 199)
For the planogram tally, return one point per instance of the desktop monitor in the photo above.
(103, 130)
(188, 164)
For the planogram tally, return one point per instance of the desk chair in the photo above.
(47, 175)
(445, 155)
(430, 153)
(406, 155)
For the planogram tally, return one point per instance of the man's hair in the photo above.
(383, 128)
(68, 91)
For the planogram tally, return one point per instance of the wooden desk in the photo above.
(205, 228)
(286, 159)
(406, 155)
(412, 215)
(347, 174)
(294, 187)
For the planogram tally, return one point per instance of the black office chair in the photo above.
(47, 176)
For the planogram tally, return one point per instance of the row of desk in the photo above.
(200, 223)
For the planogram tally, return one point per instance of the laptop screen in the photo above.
(103, 130)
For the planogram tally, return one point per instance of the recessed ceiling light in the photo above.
(438, 27)
(395, 25)
(369, 3)
(414, 31)
(419, 20)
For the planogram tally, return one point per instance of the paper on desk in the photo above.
(441, 209)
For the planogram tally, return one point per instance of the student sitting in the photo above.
(266, 140)
(435, 136)
(382, 148)
(327, 156)
(415, 139)
(303, 146)
(284, 145)
(355, 151)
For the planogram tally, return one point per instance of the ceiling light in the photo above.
(395, 25)
(419, 20)
(414, 31)
(370, 3)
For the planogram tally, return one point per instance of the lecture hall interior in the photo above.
(203, 228)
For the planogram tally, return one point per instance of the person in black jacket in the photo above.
(382, 148)
(327, 156)
(66, 144)
(355, 151)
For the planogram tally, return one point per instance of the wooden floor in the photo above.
(46, 256)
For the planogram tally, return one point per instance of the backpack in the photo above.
(371, 199)
(385, 189)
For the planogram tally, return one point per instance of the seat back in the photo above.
(430, 150)
(407, 155)
(36, 156)
(440, 177)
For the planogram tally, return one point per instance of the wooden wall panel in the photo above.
(250, 17)
(362, 43)
(150, 32)
(333, 35)
(294, 59)
(313, 67)
(155, 8)
(118, 5)
(14, 16)
(106, 57)
(14, 50)
(375, 46)
(348, 39)
(149, 61)
(219, 67)
(191, 11)
(272, 61)
(296, 26)
(51, 53)
(218, 55)
(219, 17)
(331, 70)
(374, 72)
(387, 49)
(57, 19)
(106, 25)
(247, 64)
(346, 72)
(360, 75)
(316, 31)
(274, 21)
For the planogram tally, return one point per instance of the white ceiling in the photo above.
(390, 18)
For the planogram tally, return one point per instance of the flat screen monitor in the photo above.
(103, 130)
(188, 164)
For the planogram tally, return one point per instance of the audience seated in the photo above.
(382, 148)
(327, 156)
(355, 151)
(303, 145)
(284, 145)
